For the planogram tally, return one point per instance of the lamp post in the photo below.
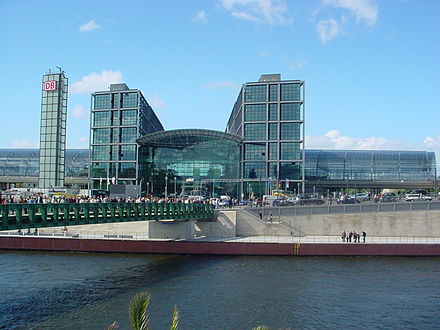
(166, 186)
(140, 187)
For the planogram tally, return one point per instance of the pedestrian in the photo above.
(344, 236)
(364, 234)
(36, 231)
(270, 217)
(350, 236)
(260, 215)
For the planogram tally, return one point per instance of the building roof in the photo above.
(180, 137)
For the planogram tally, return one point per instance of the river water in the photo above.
(40, 290)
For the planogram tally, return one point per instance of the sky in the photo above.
(371, 67)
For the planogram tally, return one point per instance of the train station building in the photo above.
(261, 150)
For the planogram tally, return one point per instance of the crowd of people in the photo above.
(353, 237)
(61, 199)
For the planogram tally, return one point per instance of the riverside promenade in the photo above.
(240, 232)
(124, 242)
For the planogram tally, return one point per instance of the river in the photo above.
(41, 290)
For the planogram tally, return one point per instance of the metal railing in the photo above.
(15, 216)
(311, 239)
(276, 218)
(348, 208)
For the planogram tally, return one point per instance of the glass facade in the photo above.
(119, 117)
(25, 162)
(53, 130)
(373, 166)
(192, 159)
(270, 119)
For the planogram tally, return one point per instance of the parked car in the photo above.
(417, 197)
(309, 200)
(282, 202)
(388, 197)
(350, 200)
(362, 197)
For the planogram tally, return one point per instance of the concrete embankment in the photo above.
(217, 248)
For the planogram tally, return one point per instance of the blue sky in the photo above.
(371, 67)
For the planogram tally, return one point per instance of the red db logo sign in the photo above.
(50, 85)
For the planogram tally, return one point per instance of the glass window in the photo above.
(114, 153)
(116, 101)
(101, 118)
(129, 100)
(102, 101)
(255, 112)
(255, 132)
(255, 93)
(290, 111)
(129, 117)
(255, 151)
(115, 118)
(128, 135)
(290, 170)
(273, 151)
(115, 135)
(290, 150)
(272, 170)
(273, 93)
(101, 135)
(254, 170)
(273, 111)
(290, 92)
(112, 169)
(99, 170)
(127, 170)
(100, 153)
(273, 131)
(290, 131)
(128, 152)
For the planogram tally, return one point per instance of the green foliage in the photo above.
(138, 311)
(175, 319)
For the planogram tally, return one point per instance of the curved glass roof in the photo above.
(180, 138)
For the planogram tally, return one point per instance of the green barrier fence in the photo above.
(23, 216)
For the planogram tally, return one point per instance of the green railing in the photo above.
(16, 216)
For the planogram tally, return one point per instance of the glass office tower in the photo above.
(269, 116)
(119, 117)
(53, 130)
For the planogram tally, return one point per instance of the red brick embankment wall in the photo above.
(218, 248)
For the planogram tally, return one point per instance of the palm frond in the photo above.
(139, 311)
(175, 319)
(113, 326)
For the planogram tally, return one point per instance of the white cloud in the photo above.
(294, 65)
(201, 17)
(24, 144)
(222, 84)
(89, 26)
(83, 140)
(329, 29)
(96, 82)
(78, 111)
(334, 139)
(156, 102)
(261, 11)
(364, 10)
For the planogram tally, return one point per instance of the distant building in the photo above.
(53, 130)
(269, 116)
(119, 117)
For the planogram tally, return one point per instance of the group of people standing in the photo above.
(353, 236)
